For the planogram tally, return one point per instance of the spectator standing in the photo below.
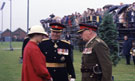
(127, 45)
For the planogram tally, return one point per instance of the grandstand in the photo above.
(123, 16)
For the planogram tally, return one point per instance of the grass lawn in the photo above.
(10, 69)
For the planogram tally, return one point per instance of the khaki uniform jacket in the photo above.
(96, 52)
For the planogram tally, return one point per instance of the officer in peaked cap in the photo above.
(57, 27)
(58, 55)
(86, 27)
(96, 64)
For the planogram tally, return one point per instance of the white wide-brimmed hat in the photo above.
(37, 29)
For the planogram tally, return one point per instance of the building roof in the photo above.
(19, 29)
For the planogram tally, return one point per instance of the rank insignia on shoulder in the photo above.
(26, 37)
(99, 40)
(66, 41)
(45, 39)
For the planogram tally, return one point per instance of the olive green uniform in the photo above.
(96, 52)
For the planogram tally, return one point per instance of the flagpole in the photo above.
(11, 48)
(27, 15)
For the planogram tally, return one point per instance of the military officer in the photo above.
(26, 39)
(96, 64)
(58, 55)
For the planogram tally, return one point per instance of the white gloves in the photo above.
(72, 79)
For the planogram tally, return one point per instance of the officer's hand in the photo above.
(51, 79)
(72, 79)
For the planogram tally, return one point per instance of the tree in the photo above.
(108, 32)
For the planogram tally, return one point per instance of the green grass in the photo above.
(124, 72)
(4, 45)
(10, 69)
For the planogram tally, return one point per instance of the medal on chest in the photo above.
(87, 51)
(62, 51)
(55, 45)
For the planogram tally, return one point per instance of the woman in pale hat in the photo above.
(34, 64)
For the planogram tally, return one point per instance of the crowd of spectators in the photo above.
(123, 16)
(131, 15)
(88, 16)
(127, 16)
(94, 17)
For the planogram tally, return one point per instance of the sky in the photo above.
(41, 9)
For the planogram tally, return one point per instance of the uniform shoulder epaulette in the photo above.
(66, 41)
(45, 39)
(101, 41)
(98, 40)
(26, 37)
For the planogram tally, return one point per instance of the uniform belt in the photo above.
(86, 70)
(55, 64)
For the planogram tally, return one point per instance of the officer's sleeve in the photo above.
(39, 64)
(102, 52)
(70, 67)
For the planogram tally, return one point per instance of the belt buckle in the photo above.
(98, 68)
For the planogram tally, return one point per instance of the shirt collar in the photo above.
(90, 40)
(55, 41)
